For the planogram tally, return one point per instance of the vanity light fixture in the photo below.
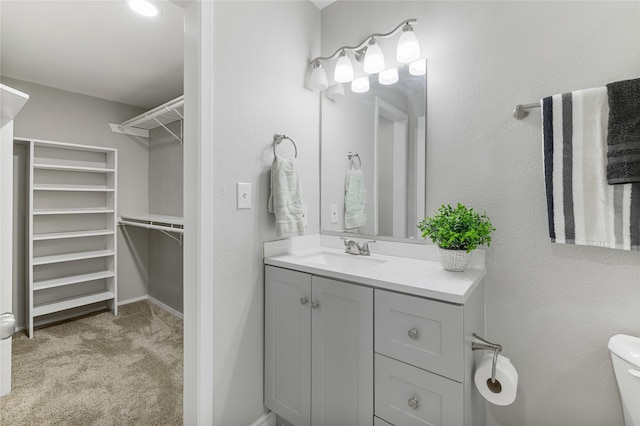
(370, 52)
(143, 7)
(360, 85)
(408, 46)
(388, 76)
(318, 77)
(418, 67)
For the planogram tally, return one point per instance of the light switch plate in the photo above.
(334, 213)
(244, 195)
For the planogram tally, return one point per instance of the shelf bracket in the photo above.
(166, 128)
(178, 239)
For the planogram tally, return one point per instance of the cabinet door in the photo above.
(342, 354)
(287, 357)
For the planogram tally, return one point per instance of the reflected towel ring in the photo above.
(351, 156)
(277, 138)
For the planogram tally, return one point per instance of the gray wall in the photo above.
(165, 197)
(258, 90)
(552, 307)
(58, 115)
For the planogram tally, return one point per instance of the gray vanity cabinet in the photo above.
(318, 349)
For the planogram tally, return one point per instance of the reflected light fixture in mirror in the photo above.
(143, 7)
(360, 85)
(389, 76)
(418, 67)
(369, 51)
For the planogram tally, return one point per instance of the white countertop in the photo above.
(406, 275)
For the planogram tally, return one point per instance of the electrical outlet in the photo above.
(334, 213)
(244, 195)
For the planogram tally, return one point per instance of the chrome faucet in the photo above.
(353, 247)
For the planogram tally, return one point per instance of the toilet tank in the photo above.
(625, 355)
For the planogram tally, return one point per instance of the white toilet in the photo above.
(625, 354)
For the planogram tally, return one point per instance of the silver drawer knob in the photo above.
(315, 305)
(413, 333)
(413, 403)
(304, 300)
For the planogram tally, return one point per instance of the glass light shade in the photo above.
(344, 69)
(408, 47)
(389, 76)
(360, 85)
(418, 67)
(143, 7)
(318, 80)
(373, 59)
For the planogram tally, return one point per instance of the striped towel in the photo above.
(582, 208)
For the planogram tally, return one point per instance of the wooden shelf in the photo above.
(71, 302)
(72, 234)
(72, 279)
(72, 188)
(97, 210)
(67, 168)
(70, 257)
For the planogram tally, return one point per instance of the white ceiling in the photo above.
(97, 48)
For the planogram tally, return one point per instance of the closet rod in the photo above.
(156, 112)
(150, 226)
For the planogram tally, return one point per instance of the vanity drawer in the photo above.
(406, 395)
(420, 332)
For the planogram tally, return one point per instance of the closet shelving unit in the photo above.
(160, 116)
(72, 245)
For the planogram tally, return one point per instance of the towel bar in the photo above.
(277, 138)
(522, 111)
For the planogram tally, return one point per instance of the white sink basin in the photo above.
(341, 260)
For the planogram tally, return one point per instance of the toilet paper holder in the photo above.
(478, 343)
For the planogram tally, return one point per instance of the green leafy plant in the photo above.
(457, 228)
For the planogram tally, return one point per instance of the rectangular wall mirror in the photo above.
(386, 127)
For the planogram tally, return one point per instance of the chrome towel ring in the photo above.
(351, 156)
(277, 138)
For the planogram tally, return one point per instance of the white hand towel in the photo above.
(582, 208)
(355, 200)
(285, 198)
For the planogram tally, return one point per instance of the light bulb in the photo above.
(408, 46)
(360, 85)
(318, 80)
(335, 92)
(373, 59)
(418, 67)
(389, 76)
(344, 69)
(143, 7)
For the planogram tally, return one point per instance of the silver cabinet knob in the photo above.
(7, 325)
(315, 305)
(304, 300)
(413, 403)
(413, 333)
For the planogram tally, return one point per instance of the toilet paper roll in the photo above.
(506, 375)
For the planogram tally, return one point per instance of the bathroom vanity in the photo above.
(377, 340)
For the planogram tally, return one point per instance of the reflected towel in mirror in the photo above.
(355, 200)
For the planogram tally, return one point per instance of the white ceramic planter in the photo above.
(454, 260)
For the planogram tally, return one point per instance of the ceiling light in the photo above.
(318, 80)
(344, 69)
(143, 7)
(360, 85)
(389, 76)
(373, 59)
(418, 67)
(408, 46)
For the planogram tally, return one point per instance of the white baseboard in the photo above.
(267, 419)
(165, 307)
(133, 300)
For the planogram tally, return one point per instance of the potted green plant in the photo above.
(457, 231)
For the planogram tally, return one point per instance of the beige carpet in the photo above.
(99, 370)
